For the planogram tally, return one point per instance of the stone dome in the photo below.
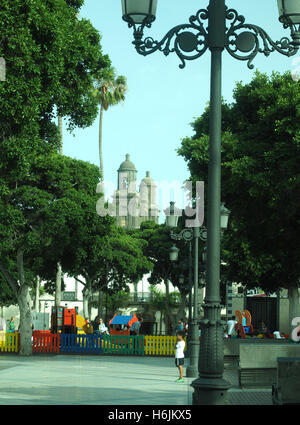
(148, 180)
(127, 165)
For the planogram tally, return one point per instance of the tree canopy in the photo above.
(52, 60)
(260, 179)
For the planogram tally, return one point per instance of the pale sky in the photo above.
(162, 99)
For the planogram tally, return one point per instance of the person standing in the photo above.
(179, 326)
(135, 327)
(102, 327)
(12, 325)
(179, 355)
(96, 325)
(231, 326)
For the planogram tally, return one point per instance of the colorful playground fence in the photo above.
(46, 342)
(9, 342)
(70, 343)
(123, 344)
(160, 345)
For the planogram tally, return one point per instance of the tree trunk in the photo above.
(160, 322)
(22, 293)
(181, 311)
(101, 144)
(58, 285)
(86, 297)
(76, 289)
(294, 308)
(85, 304)
(25, 329)
(24, 301)
(168, 316)
(100, 303)
(59, 271)
(37, 295)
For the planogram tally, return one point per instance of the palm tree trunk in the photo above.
(60, 127)
(59, 271)
(101, 144)
(58, 285)
(160, 322)
(167, 308)
(37, 295)
(100, 303)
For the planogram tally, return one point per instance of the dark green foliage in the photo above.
(260, 180)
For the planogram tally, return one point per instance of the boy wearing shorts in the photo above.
(179, 355)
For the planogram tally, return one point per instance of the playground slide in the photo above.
(80, 322)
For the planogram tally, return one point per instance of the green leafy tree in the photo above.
(158, 303)
(260, 182)
(115, 301)
(108, 260)
(157, 250)
(52, 60)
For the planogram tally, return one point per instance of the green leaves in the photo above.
(109, 88)
(260, 179)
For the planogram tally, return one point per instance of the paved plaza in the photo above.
(104, 380)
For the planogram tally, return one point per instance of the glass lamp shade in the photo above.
(172, 215)
(171, 220)
(289, 11)
(138, 10)
(224, 217)
(174, 253)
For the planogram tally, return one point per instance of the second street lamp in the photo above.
(189, 234)
(225, 30)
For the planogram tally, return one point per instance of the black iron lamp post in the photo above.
(174, 257)
(216, 28)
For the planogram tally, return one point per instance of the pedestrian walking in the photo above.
(179, 355)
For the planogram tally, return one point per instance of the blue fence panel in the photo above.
(70, 343)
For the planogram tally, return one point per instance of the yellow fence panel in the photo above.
(161, 345)
(9, 342)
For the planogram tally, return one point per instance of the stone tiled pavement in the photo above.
(238, 396)
(106, 380)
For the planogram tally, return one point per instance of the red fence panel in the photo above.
(45, 342)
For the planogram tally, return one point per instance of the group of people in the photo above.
(97, 326)
(262, 330)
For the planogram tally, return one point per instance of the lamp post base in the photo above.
(192, 369)
(192, 372)
(210, 391)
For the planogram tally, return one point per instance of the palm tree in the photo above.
(109, 90)
(59, 274)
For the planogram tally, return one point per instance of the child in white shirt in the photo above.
(179, 355)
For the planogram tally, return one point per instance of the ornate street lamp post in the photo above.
(189, 234)
(225, 30)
